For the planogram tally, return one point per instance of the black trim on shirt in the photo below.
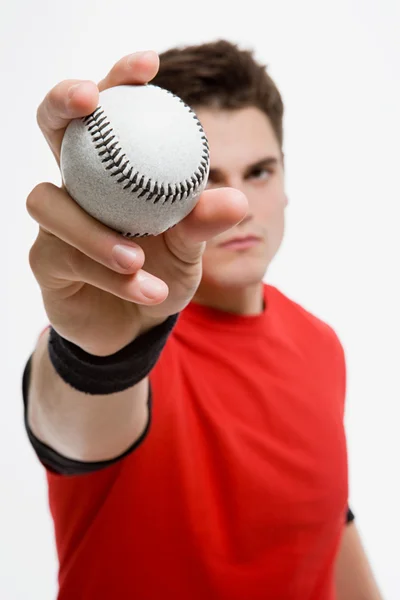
(62, 465)
(57, 463)
(350, 516)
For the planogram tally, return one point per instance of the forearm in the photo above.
(354, 576)
(86, 427)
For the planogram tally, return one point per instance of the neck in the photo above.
(248, 300)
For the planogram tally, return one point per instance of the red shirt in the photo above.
(239, 490)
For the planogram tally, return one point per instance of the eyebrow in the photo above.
(268, 161)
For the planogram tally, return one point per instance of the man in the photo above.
(201, 456)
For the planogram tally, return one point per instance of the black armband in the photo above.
(109, 374)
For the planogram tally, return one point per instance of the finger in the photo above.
(73, 98)
(70, 223)
(137, 68)
(68, 100)
(216, 211)
(140, 288)
(58, 267)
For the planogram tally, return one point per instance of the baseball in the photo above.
(139, 162)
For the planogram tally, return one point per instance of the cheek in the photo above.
(267, 205)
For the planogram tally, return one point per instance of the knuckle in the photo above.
(42, 112)
(39, 112)
(75, 261)
(50, 105)
(34, 202)
(47, 251)
(37, 254)
(51, 257)
(33, 257)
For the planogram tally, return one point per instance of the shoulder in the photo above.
(302, 321)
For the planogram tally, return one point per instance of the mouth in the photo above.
(241, 243)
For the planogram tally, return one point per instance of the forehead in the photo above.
(238, 137)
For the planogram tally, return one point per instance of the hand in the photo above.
(99, 289)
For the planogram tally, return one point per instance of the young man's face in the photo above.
(245, 155)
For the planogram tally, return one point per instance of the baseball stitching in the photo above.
(110, 151)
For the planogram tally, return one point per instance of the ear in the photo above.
(286, 200)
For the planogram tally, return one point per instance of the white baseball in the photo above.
(139, 162)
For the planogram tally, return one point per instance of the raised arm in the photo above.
(99, 299)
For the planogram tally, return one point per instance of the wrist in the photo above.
(148, 323)
(92, 374)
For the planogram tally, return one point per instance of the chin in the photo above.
(234, 275)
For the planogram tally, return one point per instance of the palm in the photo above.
(84, 313)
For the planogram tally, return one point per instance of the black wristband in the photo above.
(109, 374)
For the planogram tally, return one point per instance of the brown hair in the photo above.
(221, 75)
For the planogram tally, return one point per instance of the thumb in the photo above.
(216, 212)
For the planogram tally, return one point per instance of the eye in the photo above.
(260, 174)
(214, 179)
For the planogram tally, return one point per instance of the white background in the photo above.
(337, 65)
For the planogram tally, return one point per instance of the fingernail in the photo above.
(150, 287)
(132, 59)
(125, 256)
(73, 89)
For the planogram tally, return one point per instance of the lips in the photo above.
(241, 243)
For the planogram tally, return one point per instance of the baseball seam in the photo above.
(117, 164)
